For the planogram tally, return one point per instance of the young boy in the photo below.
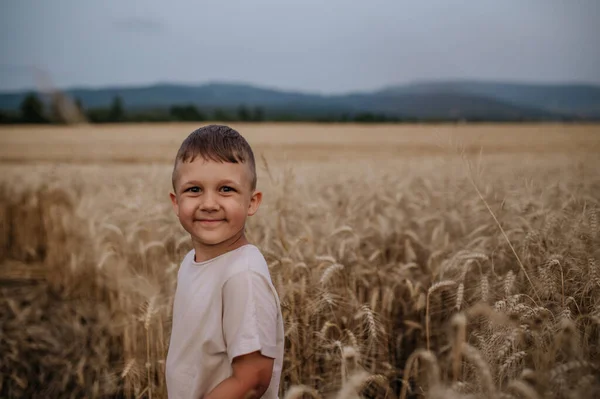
(227, 335)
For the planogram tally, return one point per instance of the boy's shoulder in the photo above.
(248, 258)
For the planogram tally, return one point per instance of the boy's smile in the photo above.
(210, 222)
(212, 201)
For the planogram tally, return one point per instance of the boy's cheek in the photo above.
(183, 213)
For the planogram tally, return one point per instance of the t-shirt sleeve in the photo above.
(249, 315)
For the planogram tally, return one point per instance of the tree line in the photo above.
(33, 110)
(61, 110)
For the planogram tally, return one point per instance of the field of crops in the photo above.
(437, 261)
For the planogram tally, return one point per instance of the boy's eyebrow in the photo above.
(224, 181)
(228, 181)
(189, 182)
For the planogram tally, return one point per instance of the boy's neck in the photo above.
(203, 252)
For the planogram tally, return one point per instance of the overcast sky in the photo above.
(322, 46)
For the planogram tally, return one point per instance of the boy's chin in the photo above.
(210, 241)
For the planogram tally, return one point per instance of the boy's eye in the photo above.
(227, 189)
(194, 189)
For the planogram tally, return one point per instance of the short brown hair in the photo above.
(217, 143)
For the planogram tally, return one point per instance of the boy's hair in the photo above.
(217, 143)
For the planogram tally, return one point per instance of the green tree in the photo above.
(56, 113)
(9, 117)
(97, 115)
(186, 113)
(116, 112)
(243, 113)
(368, 117)
(221, 115)
(4, 118)
(79, 105)
(32, 109)
(258, 115)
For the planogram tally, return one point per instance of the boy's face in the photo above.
(212, 201)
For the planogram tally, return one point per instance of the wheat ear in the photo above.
(433, 369)
(432, 289)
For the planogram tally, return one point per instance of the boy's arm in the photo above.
(251, 378)
(250, 314)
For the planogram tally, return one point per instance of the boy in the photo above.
(227, 335)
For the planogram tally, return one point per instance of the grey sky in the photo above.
(313, 45)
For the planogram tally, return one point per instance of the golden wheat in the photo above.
(396, 275)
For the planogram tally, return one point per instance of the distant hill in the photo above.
(427, 100)
(574, 99)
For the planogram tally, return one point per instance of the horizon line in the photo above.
(130, 86)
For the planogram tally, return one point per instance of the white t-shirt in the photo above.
(224, 307)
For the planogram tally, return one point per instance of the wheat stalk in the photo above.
(437, 286)
(433, 370)
(483, 369)
(522, 389)
(503, 233)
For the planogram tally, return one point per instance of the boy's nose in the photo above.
(210, 203)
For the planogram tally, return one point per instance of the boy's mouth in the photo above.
(210, 221)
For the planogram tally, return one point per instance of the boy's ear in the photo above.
(254, 202)
(174, 203)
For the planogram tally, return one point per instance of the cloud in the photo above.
(139, 25)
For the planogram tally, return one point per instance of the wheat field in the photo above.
(434, 261)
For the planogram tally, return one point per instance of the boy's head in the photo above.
(217, 143)
(214, 187)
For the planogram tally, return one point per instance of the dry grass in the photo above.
(301, 142)
(398, 276)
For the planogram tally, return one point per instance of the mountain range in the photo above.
(475, 100)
